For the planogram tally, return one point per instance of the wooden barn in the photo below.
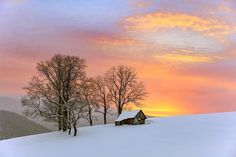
(134, 117)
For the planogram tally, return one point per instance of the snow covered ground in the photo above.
(212, 135)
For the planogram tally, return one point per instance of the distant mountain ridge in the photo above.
(10, 104)
(15, 125)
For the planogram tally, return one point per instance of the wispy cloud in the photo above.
(163, 21)
(172, 37)
(185, 58)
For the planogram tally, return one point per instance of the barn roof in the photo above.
(127, 114)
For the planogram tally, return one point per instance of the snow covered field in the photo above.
(212, 135)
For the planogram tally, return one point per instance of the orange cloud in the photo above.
(161, 21)
(158, 34)
(185, 58)
(115, 41)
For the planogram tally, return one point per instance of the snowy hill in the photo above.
(14, 106)
(212, 135)
(15, 125)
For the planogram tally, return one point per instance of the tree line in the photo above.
(62, 92)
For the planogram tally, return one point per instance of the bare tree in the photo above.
(102, 97)
(88, 98)
(49, 93)
(77, 109)
(124, 87)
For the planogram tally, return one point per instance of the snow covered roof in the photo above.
(127, 114)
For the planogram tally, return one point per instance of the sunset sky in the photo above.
(183, 50)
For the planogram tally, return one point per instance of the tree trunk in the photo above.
(65, 118)
(90, 118)
(91, 122)
(59, 124)
(69, 130)
(105, 119)
(119, 111)
(119, 108)
(60, 119)
(75, 129)
(69, 127)
(69, 124)
(105, 116)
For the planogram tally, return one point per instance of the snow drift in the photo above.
(212, 135)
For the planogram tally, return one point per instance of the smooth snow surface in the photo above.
(127, 114)
(212, 135)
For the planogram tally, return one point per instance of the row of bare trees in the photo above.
(62, 92)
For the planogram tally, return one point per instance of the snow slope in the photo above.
(15, 125)
(212, 135)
